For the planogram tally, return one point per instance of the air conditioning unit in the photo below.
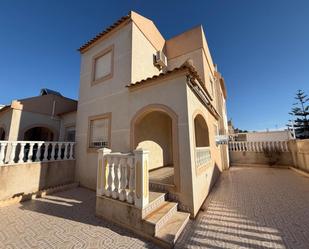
(160, 60)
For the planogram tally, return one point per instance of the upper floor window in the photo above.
(102, 68)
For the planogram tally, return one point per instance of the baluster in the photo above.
(52, 155)
(12, 152)
(58, 151)
(30, 154)
(286, 149)
(274, 145)
(65, 156)
(115, 193)
(71, 151)
(270, 145)
(2, 152)
(281, 146)
(131, 180)
(61, 146)
(123, 179)
(46, 145)
(249, 146)
(22, 152)
(110, 178)
(253, 146)
(260, 146)
(38, 153)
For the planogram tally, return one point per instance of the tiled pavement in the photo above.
(248, 208)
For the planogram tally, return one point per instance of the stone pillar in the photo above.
(141, 198)
(102, 171)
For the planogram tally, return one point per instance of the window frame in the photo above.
(105, 51)
(66, 129)
(97, 117)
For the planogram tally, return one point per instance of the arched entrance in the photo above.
(39, 134)
(154, 128)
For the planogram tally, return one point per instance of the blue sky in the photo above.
(260, 46)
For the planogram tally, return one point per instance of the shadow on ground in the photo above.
(253, 208)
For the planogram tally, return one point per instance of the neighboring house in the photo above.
(48, 117)
(139, 90)
(264, 136)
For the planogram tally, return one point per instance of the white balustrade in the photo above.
(202, 156)
(258, 146)
(123, 176)
(16, 152)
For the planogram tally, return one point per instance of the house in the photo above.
(47, 117)
(156, 105)
(266, 136)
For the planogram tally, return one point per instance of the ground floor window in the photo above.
(99, 131)
(70, 134)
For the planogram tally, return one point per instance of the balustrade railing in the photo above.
(13, 152)
(259, 146)
(123, 176)
(202, 156)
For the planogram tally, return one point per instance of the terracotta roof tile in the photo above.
(104, 32)
(188, 65)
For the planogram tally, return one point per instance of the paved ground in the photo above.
(248, 208)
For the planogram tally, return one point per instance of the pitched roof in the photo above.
(46, 91)
(188, 65)
(104, 32)
(147, 27)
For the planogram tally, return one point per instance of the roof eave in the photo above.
(103, 34)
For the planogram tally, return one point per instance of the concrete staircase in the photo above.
(162, 221)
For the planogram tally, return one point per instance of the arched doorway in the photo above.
(154, 128)
(39, 134)
(2, 133)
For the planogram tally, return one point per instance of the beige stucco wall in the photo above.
(67, 120)
(142, 56)
(22, 179)
(22, 121)
(202, 178)
(248, 157)
(300, 153)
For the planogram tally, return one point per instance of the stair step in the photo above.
(156, 199)
(161, 215)
(173, 228)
